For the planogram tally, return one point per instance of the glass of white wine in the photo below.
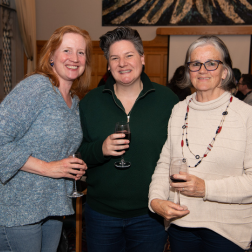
(75, 193)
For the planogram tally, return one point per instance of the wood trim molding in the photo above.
(205, 30)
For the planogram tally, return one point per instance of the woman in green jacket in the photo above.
(116, 213)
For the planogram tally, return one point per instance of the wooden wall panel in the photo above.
(155, 79)
(165, 63)
(156, 59)
(102, 64)
(153, 69)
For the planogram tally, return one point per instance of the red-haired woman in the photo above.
(39, 129)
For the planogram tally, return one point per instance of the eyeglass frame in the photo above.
(219, 62)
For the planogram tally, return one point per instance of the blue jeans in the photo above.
(199, 240)
(43, 236)
(110, 234)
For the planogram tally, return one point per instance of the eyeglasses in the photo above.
(209, 65)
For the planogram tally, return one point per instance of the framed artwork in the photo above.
(176, 12)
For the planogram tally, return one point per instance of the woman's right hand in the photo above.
(168, 209)
(115, 142)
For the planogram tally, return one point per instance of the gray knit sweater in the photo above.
(35, 121)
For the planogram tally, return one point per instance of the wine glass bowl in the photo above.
(75, 193)
(177, 165)
(123, 127)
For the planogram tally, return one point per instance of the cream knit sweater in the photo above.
(227, 169)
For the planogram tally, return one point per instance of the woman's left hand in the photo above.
(194, 186)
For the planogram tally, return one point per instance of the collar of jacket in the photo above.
(147, 85)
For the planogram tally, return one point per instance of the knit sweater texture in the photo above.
(35, 121)
(111, 191)
(227, 169)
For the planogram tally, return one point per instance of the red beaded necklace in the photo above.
(210, 146)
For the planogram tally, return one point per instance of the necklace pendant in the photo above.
(218, 130)
(198, 163)
(182, 143)
(197, 156)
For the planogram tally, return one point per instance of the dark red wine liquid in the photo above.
(176, 180)
(127, 135)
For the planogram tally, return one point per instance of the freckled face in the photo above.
(203, 80)
(70, 58)
(125, 63)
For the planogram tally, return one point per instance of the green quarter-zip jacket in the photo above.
(111, 191)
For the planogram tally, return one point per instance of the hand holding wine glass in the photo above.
(123, 127)
(177, 165)
(75, 193)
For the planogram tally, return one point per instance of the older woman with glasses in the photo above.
(212, 132)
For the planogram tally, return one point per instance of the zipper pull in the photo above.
(128, 118)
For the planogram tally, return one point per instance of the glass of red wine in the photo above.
(177, 165)
(123, 127)
(75, 193)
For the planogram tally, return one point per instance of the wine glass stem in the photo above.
(122, 159)
(75, 186)
(177, 197)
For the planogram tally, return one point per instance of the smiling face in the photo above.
(207, 83)
(125, 63)
(70, 58)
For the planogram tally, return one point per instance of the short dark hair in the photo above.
(237, 74)
(118, 34)
(226, 84)
(177, 76)
(247, 80)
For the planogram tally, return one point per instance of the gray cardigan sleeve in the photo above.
(17, 113)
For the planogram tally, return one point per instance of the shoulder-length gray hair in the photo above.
(121, 33)
(227, 83)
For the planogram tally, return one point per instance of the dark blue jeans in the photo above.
(199, 240)
(138, 234)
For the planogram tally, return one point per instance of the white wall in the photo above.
(86, 14)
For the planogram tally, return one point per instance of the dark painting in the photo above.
(176, 12)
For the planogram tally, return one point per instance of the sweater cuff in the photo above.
(99, 154)
(149, 204)
(206, 191)
(12, 165)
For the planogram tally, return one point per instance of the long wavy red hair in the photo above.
(82, 83)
